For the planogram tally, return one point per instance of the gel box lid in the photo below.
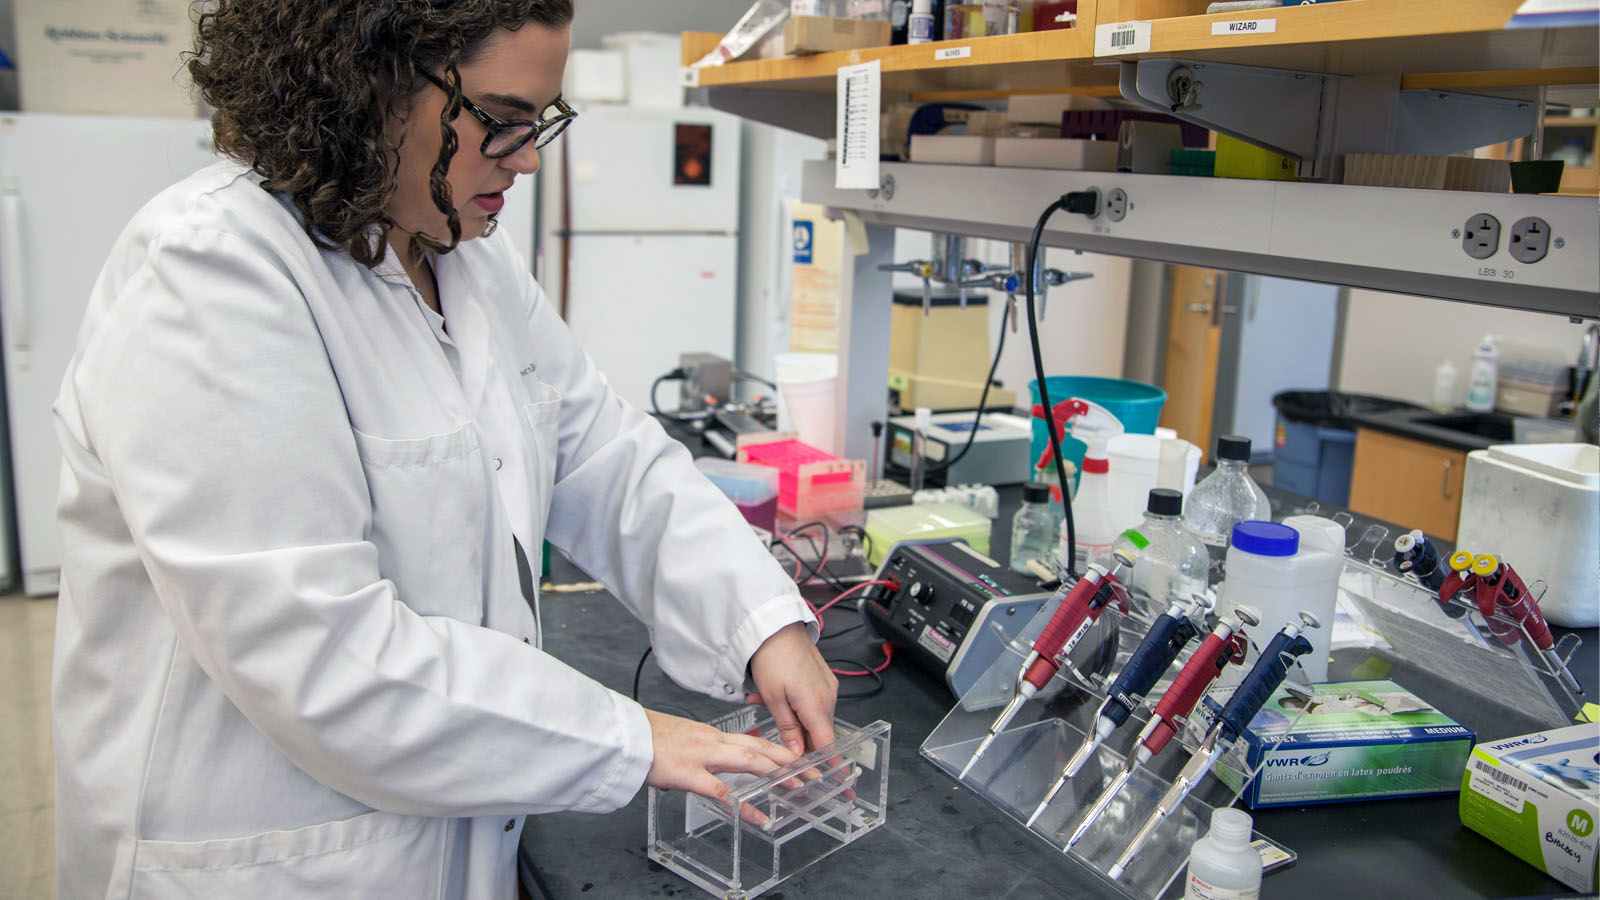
(1351, 713)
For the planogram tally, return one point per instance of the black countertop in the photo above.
(1494, 428)
(941, 841)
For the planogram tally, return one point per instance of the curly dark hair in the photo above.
(308, 93)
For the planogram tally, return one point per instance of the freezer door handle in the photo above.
(13, 295)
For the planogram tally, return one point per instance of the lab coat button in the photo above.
(511, 824)
(496, 462)
(727, 688)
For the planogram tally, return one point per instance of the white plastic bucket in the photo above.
(1180, 463)
(807, 385)
(1135, 463)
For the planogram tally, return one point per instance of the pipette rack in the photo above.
(806, 810)
(1530, 685)
(1025, 760)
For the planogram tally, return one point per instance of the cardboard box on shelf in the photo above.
(111, 57)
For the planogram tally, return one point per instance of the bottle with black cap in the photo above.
(1225, 498)
(1173, 561)
(1033, 530)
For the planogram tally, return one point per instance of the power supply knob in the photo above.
(922, 593)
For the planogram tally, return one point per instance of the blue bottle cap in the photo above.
(1266, 538)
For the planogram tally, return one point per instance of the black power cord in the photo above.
(983, 400)
(677, 374)
(1071, 202)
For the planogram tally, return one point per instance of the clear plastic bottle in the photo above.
(1033, 529)
(1225, 498)
(1223, 865)
(1172, 559)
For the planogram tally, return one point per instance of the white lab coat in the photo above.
(292, 655)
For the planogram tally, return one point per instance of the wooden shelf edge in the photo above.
(1352, 20)
(1065, 45)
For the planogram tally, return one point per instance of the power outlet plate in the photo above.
(1530, 240)
(1117, 205)
(1480, 237)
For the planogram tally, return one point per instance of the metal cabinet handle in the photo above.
(1444, 481)
(1198, 307)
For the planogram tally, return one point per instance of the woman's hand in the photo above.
(795, 685)
(688, 753)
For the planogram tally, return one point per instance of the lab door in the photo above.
(636, 302)
(1194, 340)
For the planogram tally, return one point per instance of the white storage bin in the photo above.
(654, 64)
(1537, 507)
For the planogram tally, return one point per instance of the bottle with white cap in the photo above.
(1485, 375)
(919, 30)
(1223, 865)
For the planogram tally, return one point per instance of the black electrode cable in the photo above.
(983, 400)
(1068, 562)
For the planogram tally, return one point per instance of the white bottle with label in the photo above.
(1444, 387)
(1280, 570)
(1485, 377)
(919, 30)
(1223, 865)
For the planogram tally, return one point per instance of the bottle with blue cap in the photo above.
(1283, 568)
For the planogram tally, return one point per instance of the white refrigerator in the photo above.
(639, 238)
(68, 186)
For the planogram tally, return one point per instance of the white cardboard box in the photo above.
(957, 149)
(114, 57)
(1056, 153)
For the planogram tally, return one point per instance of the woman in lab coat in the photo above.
(318, 423)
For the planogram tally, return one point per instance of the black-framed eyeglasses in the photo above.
(502, 137)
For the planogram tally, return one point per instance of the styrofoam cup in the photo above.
(807, 385)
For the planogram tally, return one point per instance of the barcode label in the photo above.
(1122, 37)
(1501, 776)
(1498, 785)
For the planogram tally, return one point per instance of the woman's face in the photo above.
(513, 76)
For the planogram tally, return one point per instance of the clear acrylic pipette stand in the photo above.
(1018, 769)
(819, 803)
(1510, 672)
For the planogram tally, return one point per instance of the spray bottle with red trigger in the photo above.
(1095, 426)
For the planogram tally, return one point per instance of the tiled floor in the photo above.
(27, 829)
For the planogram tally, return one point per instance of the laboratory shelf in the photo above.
(1459, 44)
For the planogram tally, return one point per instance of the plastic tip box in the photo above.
(810, 481)
(812, 807)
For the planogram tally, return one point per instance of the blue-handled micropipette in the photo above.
(1252, 694)
(1172, 631)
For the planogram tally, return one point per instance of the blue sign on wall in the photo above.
(803, 234)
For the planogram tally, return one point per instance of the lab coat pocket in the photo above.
(374, 856)
(544, 421)
(428, 512)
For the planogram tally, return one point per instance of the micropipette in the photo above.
(1501, 590)
(1458, 581)
(1252, 694)
(1413, 553)
(1078, 612)
(1225, 644)
(1171, 632)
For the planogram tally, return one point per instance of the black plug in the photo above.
(1085, 203)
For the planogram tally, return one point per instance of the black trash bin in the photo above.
(1316, 440)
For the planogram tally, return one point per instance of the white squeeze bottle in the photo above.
(1485, 377)
(1444, 387)
(1223, 865)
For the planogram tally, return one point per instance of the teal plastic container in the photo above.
(1136, 404)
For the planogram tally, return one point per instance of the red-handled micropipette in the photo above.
(1078, 612)
(1225, 644)
(1501, 590)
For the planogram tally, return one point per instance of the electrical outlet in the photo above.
(1480, 237)
(1117, 205)
(1530, 240)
